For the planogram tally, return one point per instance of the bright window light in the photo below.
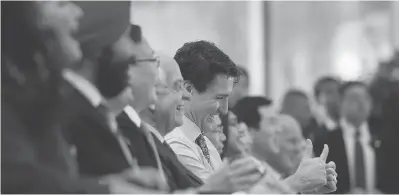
(348, 66)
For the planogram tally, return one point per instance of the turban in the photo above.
(102, 24)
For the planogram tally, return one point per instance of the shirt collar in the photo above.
(190, 129)
(156, 133)
(83, 86)
(330, 123)
(349, 129)
(133, 115)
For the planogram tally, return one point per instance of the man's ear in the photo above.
(252, 131)
(189, 87)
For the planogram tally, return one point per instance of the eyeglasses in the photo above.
(153, 59)
(178, 86)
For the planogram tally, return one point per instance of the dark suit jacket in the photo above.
(183, 177)
(37, 161)
(335, 141)
(177, 175)
(98, 152)
(389, 169)
(141, 149)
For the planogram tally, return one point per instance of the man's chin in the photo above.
(178, 121)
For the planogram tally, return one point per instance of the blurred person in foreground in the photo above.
(241, 88)
(352, 145)
(166, 116)
(297, 104)
(210, 75)
(278, 144)
(37, 45)
(94, 84)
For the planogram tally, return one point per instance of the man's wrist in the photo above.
(294, 183)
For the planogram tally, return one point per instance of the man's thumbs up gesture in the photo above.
(313, 175)
(331, 185)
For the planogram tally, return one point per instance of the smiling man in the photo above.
(209, 74)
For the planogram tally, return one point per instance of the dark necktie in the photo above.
(360, 181)
(200, 141)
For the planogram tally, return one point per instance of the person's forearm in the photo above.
(294, 183)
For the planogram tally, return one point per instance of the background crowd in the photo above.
(88, 106)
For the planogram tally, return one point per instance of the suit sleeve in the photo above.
(23, 173)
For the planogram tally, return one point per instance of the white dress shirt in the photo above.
(133, 115)
(330, 124)
(348, 131)
(182, 141)
(85, 87)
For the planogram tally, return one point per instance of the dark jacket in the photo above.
(98, 151)
(36, 161)
(177, 175)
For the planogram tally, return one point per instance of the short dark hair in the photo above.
(246, 110)
(295, 92)
(242, 71)
(135, 33)
(349, 84)
(201, 61)
(322, 81)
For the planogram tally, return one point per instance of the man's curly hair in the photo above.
(201, 61)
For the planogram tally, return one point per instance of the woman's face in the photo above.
(61, 18)
(214, 132)
(238, 134)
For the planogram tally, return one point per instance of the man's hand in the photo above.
(270, 185)
(144, 176)
(311, 173)
(331, 185)
(118, 184)
(239, 175)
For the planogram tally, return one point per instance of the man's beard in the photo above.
(112, 78)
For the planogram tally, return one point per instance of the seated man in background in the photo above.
(264, 129)
(287, 146)
(297, 104)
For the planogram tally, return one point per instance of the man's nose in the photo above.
(222, 137)
(223, 107)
